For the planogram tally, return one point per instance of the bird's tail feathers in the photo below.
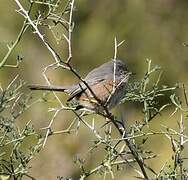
(48, 87)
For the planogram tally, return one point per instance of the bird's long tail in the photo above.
(48, 87)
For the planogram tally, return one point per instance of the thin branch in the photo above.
(70, 30)
(13, 46)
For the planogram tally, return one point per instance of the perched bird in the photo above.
(107, 82)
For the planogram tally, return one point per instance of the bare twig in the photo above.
(12, 46)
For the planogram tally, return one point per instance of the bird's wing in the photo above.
(81, 87)
(97, 75)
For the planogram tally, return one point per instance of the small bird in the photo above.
(108, 83)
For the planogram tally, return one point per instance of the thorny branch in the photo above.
(14, 158)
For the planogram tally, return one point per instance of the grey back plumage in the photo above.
(106, 71)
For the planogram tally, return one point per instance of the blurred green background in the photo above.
(152, 29)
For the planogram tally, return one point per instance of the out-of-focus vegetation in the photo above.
(152, 29)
